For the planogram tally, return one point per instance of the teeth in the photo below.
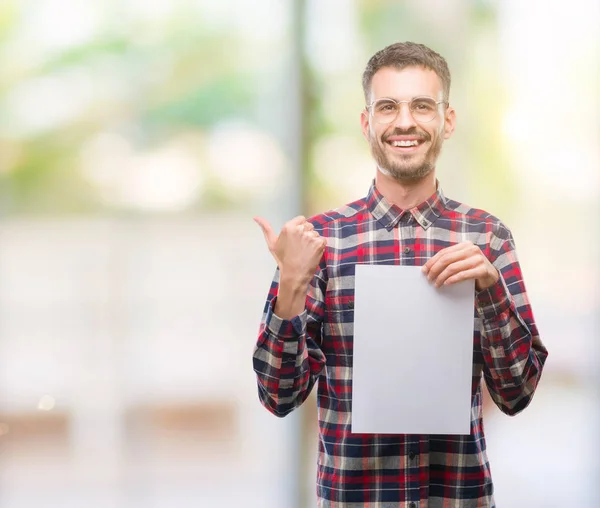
(405, 143)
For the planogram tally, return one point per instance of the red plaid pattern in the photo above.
(408, 471)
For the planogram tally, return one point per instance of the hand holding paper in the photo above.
(460, 262)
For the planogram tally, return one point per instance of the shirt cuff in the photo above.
(493, 301)
(285, 329)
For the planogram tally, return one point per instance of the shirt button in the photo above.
(412, 505)
(412, 455)
(406, 250)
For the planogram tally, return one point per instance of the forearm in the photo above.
(512, 350)
(287, 364)
(287, 359)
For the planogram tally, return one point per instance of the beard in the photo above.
(406, 167)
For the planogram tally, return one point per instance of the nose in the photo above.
(404, 119)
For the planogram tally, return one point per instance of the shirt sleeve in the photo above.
(512, 350)
(287, 358)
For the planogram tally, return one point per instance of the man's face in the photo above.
(407, 163)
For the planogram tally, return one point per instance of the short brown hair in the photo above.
(407, 54)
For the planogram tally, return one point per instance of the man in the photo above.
(307, 328)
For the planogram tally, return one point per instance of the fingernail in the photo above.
(424, 269)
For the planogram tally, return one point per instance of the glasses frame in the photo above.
(369, 108)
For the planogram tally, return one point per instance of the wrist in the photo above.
(291, 295)
(294, 282)
(487, 281)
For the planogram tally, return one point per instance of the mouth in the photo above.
(404, 145)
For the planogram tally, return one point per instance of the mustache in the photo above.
(423, 136)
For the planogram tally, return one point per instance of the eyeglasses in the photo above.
(422, 109)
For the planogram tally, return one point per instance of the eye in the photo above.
(385, 107)
(423, 105)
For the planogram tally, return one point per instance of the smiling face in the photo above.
(407, 149)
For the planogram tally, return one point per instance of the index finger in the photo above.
(296, 221)
(435, 258)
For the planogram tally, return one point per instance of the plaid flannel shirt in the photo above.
(409, 471)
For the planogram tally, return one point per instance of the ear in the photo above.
(449, 122)
(364, 123)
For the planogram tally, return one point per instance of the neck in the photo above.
(405, 195)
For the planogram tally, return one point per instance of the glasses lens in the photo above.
(385, 110)
(423, 109)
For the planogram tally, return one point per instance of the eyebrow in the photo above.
(422, 96)
(398, 100)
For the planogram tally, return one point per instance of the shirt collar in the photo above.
(389, 215)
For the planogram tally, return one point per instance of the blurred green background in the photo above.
(137, 140)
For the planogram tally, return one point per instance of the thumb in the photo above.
(267, 230)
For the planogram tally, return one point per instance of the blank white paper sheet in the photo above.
(413, 353)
